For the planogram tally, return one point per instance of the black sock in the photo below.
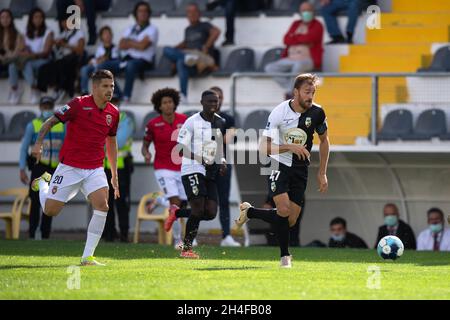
(282, 228)
(191, 232)
(183, 213)
(267, 215)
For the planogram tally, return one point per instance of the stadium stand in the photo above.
(269, 56)
(239, 60)
(120, 9)
(256, 120)
(2, 125)
(20, 8)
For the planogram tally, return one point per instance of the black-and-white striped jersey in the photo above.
(285, 126)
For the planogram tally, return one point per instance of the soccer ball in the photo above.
(390, 247)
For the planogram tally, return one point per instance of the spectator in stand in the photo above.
(138, 45)
(436, 237)
(90, 8)
(11, 45)
(62, 72)
(330, 9)
(38, 42)
(393, 226)
(195, 55)
(303, 51)
(230, 14)
(341, 238)
(106, 57)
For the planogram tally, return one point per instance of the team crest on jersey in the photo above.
(308, 122)
(195, 190)
(273, 186)
(295, 136)
(108, 119)
(54, 190)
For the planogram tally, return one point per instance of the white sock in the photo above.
(162, 201)
(176, 231)
(94, 232)
(43, 192)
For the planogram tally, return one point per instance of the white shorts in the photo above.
(67, 181)
(170, 183)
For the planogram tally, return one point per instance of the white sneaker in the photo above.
(286, 262)
(243, 214)
(228, 241)
(191, 59)
(35, 96)
(14, 96)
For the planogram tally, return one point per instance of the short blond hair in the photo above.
(309, 78)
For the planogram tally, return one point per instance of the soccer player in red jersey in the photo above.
(163, 132)
(91, 121)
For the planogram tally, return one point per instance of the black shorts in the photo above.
(196, 185)
(292, 180)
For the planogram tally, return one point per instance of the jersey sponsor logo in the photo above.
(159, 124)
(63, 109)
(87, 108)
(308, 122)
(108, 119)
(54, 190)
(195, 190)
(273, 186)
(182, 133)
(295, 136)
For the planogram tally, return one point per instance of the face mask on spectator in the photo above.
(436, 228)
(307, 16)
(338, 237)
(390, 221)
(47, 114)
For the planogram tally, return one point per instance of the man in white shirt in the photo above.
(138, 46)
(436, 237)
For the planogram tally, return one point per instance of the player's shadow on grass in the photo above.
(31, 267)
(226, 268)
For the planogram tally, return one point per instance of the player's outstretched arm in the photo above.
(111, 152)
(46, 127)
(324, 152)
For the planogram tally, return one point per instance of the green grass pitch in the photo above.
(39, 270)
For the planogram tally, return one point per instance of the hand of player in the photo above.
(323, 182)
(36, 151)
(223, 169)
(115, 185)
(24, 177)
(300, 151)
(147, 156)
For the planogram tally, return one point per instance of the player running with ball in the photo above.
(91, 121)
(201, 141)
(288, 139)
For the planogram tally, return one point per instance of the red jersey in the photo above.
(87, 128)
(164, 136)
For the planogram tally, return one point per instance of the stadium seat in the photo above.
(120, 8)
(256, 120)
(398, 123)
(4, 4)
(17, 125)
(20, 208)
(130, 114)
(180, 10)
(51, 12)
(163, 68)
(441, 61)
(142, 215)
(21, 7)
(269, 56)
(431, 123)
(190, 113)
(284, 8)
(2, 124)
(139, 133)
(162, 6)
(239, 60)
